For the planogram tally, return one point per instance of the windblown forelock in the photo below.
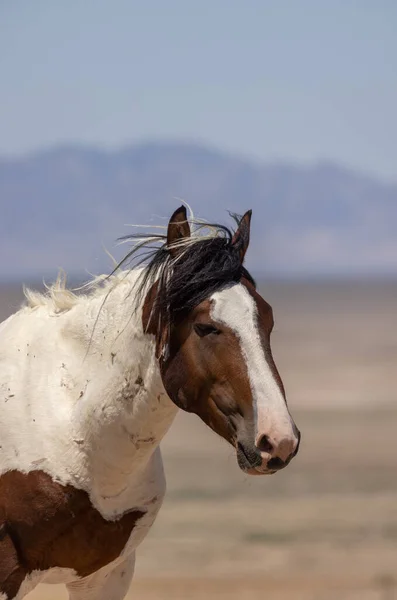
(201, 270)
(203, 265)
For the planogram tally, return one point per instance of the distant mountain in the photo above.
(62, 206)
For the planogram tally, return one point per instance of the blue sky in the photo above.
(297, 80)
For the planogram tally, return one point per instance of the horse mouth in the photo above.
(250, 462)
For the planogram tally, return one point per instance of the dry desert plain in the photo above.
(326, 527)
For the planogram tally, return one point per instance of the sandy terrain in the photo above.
(326, 528)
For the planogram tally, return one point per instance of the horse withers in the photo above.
(91, 382)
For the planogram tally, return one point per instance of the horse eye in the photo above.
(202, 330)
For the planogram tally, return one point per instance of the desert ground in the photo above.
(326, 527)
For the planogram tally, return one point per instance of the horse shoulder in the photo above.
(38, 393)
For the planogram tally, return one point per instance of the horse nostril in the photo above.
(264, 445)
(275, 464)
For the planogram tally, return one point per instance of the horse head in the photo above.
(212, 330)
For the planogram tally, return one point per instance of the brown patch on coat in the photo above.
(185, 383)
(44, 524)
(150, 320)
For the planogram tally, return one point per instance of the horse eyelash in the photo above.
(203, 330)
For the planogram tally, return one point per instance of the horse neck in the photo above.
(125, 411)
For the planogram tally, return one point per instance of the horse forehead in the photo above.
(233, 306)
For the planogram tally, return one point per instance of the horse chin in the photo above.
(257, 471)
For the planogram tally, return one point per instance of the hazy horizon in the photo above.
(112, 110)
(292, 81)
(61, 208)
(78, 145)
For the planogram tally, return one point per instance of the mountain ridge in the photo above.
(61, 204)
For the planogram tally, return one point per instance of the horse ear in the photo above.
(178, 229)
(241, 238)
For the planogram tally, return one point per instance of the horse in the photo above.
(91, 381)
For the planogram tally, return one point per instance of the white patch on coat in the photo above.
(235, 307)
(106, 583)
(70, 392)
(29, 584)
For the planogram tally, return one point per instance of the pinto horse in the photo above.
(91, 382)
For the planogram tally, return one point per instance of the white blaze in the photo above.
(235, 307)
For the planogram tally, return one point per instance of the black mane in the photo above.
(202, 267)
